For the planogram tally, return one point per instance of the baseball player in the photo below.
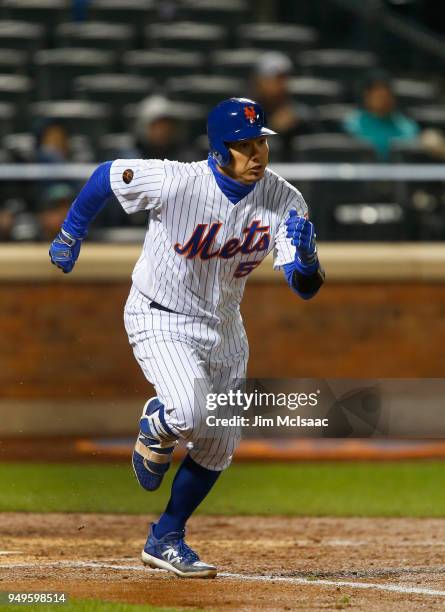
(210, 223)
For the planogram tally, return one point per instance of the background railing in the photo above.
(291, 172)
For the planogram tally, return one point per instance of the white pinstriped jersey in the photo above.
(199, 247)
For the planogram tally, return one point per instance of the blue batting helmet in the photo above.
(233, 120)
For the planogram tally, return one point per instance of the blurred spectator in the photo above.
(270, 87)
(6, 221)
(379, 122)
(52, 209)
(21, 222)
(52, 143)
(158, 132)
(17, 222)
(433, 143)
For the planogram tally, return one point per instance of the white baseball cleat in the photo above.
(173, 554)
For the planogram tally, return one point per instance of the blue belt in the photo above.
(159, 307)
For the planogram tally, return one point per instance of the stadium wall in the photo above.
(66, 365)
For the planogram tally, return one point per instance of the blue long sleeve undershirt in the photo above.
(289, 270)
(90, 201)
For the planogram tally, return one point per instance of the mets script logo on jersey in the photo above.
(201, 244)
(250, 114)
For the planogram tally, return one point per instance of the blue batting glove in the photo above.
(302, 234)
(64, 250)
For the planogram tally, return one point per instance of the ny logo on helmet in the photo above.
(250, 114)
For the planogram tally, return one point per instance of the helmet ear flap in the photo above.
(218, 158)
(222, 155)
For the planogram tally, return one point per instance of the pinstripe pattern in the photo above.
(181, 196)
(185, 359)
(201, 346)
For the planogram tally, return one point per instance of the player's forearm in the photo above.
(90, 201)
(304, 283)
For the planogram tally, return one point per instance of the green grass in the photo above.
(311, 489)
(88, 605)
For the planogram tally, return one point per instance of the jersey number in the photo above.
(246, 268)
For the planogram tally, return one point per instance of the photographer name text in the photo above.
(260, 421)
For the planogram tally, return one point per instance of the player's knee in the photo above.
(214, 453)
(184, 417)
(154, 422)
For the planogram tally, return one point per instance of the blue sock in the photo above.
(190, 486)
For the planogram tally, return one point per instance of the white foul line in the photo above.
(394, 588)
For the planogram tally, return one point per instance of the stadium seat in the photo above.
(78, 116)
(21, 35)
(110, 146)
(331, 148)
(96, 35)
(15, 89)
(428, 116)
(57, 68)
(48, 12)
(204, 89)
(234, 62)
(20, 146)
(288, 38)
(410, 153)
(228, 13)
(136, 12)
(162, 64)
(325, 196)
(348, 66)
(13, 61)
(82, 149)
(343, 64)
(369, 221)
(116, 90)
(331, 116)
(410, 92)
(193, 117)
(7, 118)
(312, 91)
(186, 35)
(4, 159)
(421, 198)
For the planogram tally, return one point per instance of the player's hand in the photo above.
(302, 233)
(64, 250)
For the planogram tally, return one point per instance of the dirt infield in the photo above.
(271, 563)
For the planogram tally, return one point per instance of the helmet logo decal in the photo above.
(250, 114)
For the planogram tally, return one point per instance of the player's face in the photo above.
(248, 161)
